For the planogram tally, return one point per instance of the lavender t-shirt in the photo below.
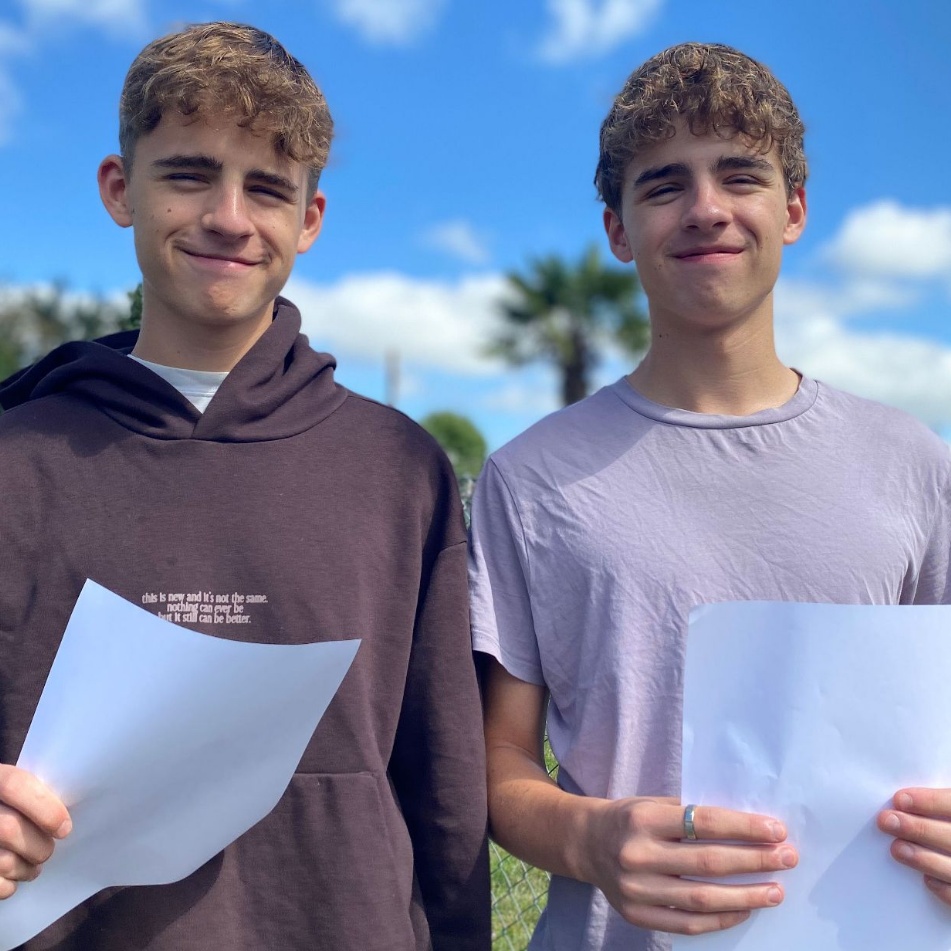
(595, 532)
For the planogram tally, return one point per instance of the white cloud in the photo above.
(517, 396)
(905, 371)
(888, 240)
(459, 239)
(433, 324)
(582, 29)
(11, 40)
(117, 16)
(389, 22)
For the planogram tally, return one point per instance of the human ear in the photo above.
(617, 236)
(114, 190)
(313, 220)
(795, 216)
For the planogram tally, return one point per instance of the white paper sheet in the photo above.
(165, 745)
(818, 714)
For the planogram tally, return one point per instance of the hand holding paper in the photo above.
(921, 821)
(31, 818)
(165, 745)
(639, 858)
(822, 714)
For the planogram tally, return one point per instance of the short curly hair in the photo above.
(713, 88)
(227, 69)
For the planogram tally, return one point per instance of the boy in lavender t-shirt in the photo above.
(713, 472)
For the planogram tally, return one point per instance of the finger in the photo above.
(931, 833)
(24, 793)
(703, 897)
(712, 822)
(717, 861)
(924, 860)
(19, 835)
(675, 921)
(13, 868)
(941, 889)
(924, 802)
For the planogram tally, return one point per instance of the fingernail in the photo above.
(932, 882)
(64, 829)
(774, 896)
(776, 831)
(903, 801)
(788, 858)
(891, 823)
(905, 851)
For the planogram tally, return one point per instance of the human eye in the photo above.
(269, 192)
(743, 180)
(184, 178)
(665, 191)
(747, 180)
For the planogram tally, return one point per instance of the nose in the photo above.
(707, 208)
(226, 211)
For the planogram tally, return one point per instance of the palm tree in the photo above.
(566, 314)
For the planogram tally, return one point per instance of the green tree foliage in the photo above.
(134, 319)
(460, 439)
(33, 322)
(566, 314)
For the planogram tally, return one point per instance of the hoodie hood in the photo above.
(279, 388)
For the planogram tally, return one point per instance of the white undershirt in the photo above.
(197, 386)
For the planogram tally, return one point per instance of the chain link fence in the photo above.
(519, 893)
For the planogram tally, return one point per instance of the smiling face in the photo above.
(219, 215)
(705, 219)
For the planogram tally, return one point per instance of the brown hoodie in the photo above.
(291, 511)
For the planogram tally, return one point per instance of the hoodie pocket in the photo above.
(346, 863)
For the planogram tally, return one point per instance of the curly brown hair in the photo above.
(711, 87)
(227, 69)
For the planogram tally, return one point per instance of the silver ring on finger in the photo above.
(690, 831)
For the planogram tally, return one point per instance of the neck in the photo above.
(191, 346)
(733, 372)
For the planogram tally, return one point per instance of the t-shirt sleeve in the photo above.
(934, 578)
(502, 619)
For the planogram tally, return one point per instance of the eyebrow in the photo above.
(726, 163)
(208, 163)
(205, 162)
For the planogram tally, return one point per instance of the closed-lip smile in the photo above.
(223, 258)
(707, 250)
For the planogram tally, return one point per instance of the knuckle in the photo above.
(9, 865)
(42, 851)
(10, 828)
(632, 857)
(710, 863)
(694, 926)
(702, 898)
(639, 818)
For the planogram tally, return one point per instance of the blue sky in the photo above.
(466, 142)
